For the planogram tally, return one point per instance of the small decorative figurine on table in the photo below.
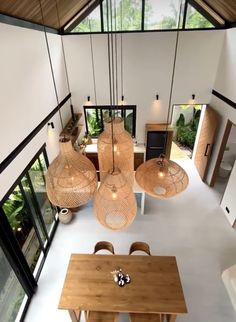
(120, 278)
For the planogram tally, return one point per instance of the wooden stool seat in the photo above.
(139, 246)
(139, 317)
(104, 245)
(94, 316)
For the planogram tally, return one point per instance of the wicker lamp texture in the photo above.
(123, 149)
(161, 178)
(114, 203)
(71, 178)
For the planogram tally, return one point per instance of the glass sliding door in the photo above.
(37, 179)
(20, 220)
(27, 223)
(33, 209)
(12, 294)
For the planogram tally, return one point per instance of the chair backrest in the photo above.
(104, 245)
(141, 246)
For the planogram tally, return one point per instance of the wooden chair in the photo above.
(139, 317)
(94, 316)
(139, 246)
(104, 245)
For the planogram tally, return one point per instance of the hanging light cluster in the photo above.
(71, 180)
(115, 203)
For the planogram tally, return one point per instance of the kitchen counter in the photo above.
(92, 148)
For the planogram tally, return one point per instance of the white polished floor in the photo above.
(190, 226)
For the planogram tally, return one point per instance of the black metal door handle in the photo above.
(205, 154)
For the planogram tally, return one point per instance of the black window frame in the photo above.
(112, 109)
(185, 4)
(10, 245)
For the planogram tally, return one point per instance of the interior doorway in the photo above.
(225, 160)
(185, 121)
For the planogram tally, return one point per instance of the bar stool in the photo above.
(139, 246)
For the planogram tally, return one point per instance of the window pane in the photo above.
(127, 15)
(195, 20)
(31, 202)
(36, 174)
(161, 14)
(91, 23)
(11, 291)
(93, 122)
(17, 212)
(128, 121)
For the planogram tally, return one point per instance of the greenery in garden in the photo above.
(94, 124)
(186, 133)
(14, 209)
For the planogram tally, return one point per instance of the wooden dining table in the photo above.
(155, 285)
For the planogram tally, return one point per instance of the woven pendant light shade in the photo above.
(71, 178)
(114, 202)
(123, 149)
(161, 178)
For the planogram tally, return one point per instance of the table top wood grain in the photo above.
(155, 284)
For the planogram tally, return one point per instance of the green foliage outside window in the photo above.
(195, 20)
(128, 16)
(186, 133)
(94, 124)
(14, 208)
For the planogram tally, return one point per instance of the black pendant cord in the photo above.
(121, 51)
(50, 61)
(173, 73)
(109, 40)
(112, 57)
(64, 58)
(116, 63)
(93, 65)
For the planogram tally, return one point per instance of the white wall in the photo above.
(27, 95)
(229, 199)
(225, 85)
(148, 64)
(230, 152)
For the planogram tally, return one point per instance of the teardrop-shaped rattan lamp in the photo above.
(121, 141)
(114, 203)
(161, 178)
(71, 178)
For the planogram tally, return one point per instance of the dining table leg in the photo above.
(171, 317)
(74, 317)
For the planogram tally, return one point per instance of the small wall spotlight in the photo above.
(193, 96)
(157, 97)
(51, 124)
(88, 98)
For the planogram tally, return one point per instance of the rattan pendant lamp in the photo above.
(114, 203)
(71, 178)
(123, 149)
(159, 177)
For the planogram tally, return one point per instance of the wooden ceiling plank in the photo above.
(30, 10)
(226, 8)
